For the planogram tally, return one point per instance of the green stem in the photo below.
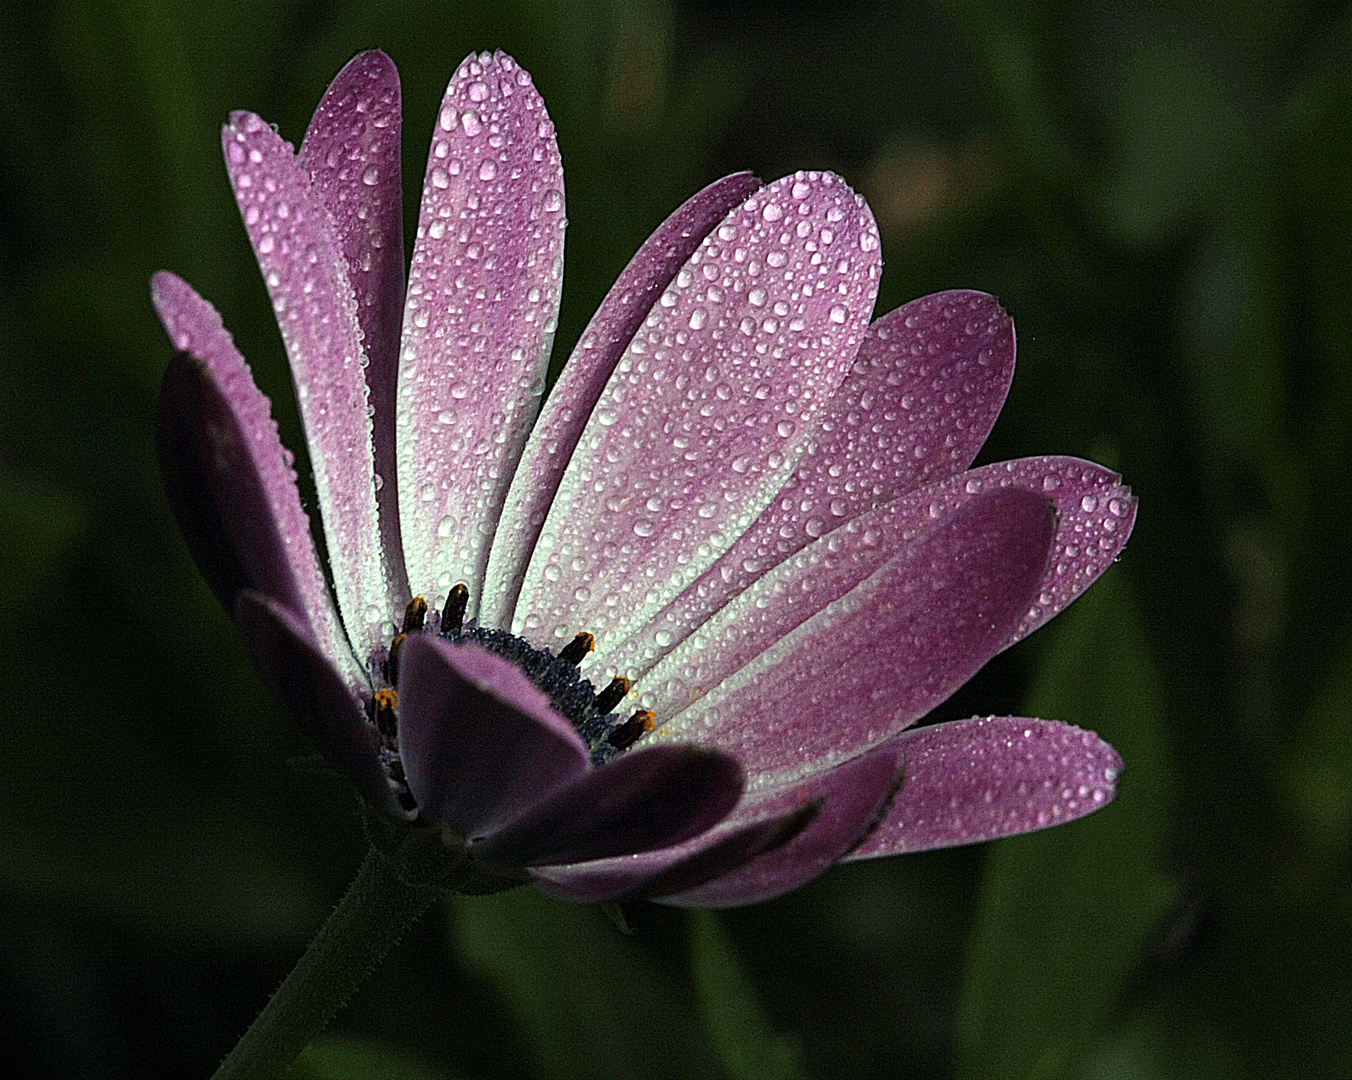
(365, 925)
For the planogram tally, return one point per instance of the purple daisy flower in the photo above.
(665, 639)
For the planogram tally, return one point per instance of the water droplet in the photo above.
(553, 201)
(488, 169)
(837, 314)
(445, 525)
(785, 428)
(471, 123)
(698, 318)
(643, 527)
(772, 212)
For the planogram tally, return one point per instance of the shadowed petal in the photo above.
(351, 153)
(711, 854)
(570, 402)
(708, 410)
(756, 606)
(480, 743)
(770, 845)
(642, 800)
(867, 664)
(917, 405)
(483, 296)
(325, 708)
(306, 275)
(228, 477)
(977, 779)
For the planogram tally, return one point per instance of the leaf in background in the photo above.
(37, 531)
(587, 999)
(345, 1057)
(1064, 912)
(749, 1047)
(1318, 770)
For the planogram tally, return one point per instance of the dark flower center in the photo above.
(591, 712)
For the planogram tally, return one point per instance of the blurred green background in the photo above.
(1159, 193)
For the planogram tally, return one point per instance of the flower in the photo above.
(743, 509)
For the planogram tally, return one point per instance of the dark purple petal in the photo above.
(480, 743)
(483, 296)
(324, 706)
(306, 275)
(228, 478)
(917, 405)
(708, 410)
(852, 796)
(642, 800)
(771, 844)
(790, 686)
(711, 854)
(977, 779)
(573, 397)
(351, 153)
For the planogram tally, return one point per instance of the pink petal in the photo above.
(305, 680)
(767, 847)
(479, 741)
(708, 411)
(573, 397)
(306, 275)
(483, 296)
(351, 153)
(642, 800)
(756, 606)
(228, 477)
(916, 407)
(977, 779)
(856, 669)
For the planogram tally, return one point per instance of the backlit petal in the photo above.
(306, 275)
(856, 668)
(351, 153)
(228, 477)
(573, 397)
(977, 779)
(708, 410)
(483, 295)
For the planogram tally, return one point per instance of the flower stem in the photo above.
(365, 925)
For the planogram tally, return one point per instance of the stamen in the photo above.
(392, 664)
(624, 736)
(575, 650)
(414, 614)
(386, 702)
(608, 698)
(453, 613)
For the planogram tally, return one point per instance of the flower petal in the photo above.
(351, 153)
(916, 407)
(479, 741)
(304, 679)
(483, 296)
(573, 397)
(642, 800)
(770, 845)
(755, 607)
(228, 477)
(850, 674)
(709, 855)
(977, 779)
(306, 275)
(708, 411)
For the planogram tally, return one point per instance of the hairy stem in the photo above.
(369, 920)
